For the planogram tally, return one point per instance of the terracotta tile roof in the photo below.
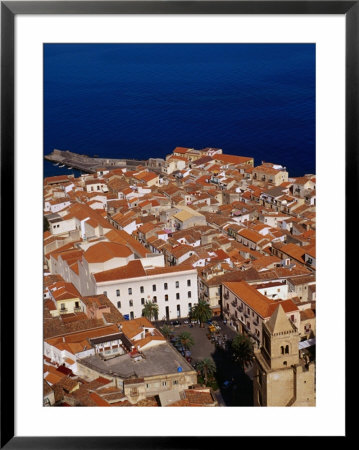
(268, 170)
(64, 291)
(82, 211)
(251, 235)
(181, 150)
(307, 314)
(255, 300)
(104, 251)
(76, 342)
(122, 237)
(133, 269)
(132, 328)
(231, 159)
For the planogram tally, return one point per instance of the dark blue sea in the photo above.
(143, 100)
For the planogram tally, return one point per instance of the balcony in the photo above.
(63, 311)
(226, 296)
(240, 309)
(79, 309)
(234, 303)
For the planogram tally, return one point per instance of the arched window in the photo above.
(282, 350)
(287, 348)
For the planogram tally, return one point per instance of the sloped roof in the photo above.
(279, 322)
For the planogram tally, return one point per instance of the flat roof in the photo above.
(159, 360)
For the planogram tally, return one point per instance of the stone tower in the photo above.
(281, 376)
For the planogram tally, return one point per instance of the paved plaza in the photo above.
(239, 393)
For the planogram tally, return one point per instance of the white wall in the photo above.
(135, 283)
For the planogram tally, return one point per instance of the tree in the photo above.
(201, 312)
(186, 340)
(207, 368)
(150, 310)
(166, 331)
(242, 348)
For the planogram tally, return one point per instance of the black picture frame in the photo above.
(9, 9)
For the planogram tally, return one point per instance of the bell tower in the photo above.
(281, 377)
(280, 341)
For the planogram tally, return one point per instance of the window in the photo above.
(154, 288)
(177, 296)
(166, 298)
(177, 284)
(132, 315)
(118, 304)
(117, 292)
(77, 305)
(164, 383)
(166, 286)
(105, 293)
(131, 302)
(129, 291)
(63, 306)
(287, 349)
(142, 301)
(188, 282)
(176, 382)
(189, 294)
(142, 289)
(154, 299)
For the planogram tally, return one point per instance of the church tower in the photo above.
(281, 377)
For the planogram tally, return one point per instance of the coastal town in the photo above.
(183, 281)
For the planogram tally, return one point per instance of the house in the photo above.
(187, 217)
(247, 309)
(64, 298)
(270, 173)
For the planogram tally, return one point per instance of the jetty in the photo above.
(89, 164)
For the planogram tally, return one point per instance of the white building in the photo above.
(173, 289)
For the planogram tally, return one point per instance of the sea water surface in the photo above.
(143, 100)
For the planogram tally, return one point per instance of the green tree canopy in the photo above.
(166, 331)
(186, 340)
(207, 368)
(150, 310)
(242, 348)
(201, 312)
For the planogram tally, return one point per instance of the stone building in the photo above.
(283, 375)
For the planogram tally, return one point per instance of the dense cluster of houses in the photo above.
(197, 225)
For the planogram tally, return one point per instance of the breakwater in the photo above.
(91, 164)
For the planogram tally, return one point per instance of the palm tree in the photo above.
(243, 349)
(166, 331)
(186, 340)
(207, 368)
(201, 312)
(150, 310)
